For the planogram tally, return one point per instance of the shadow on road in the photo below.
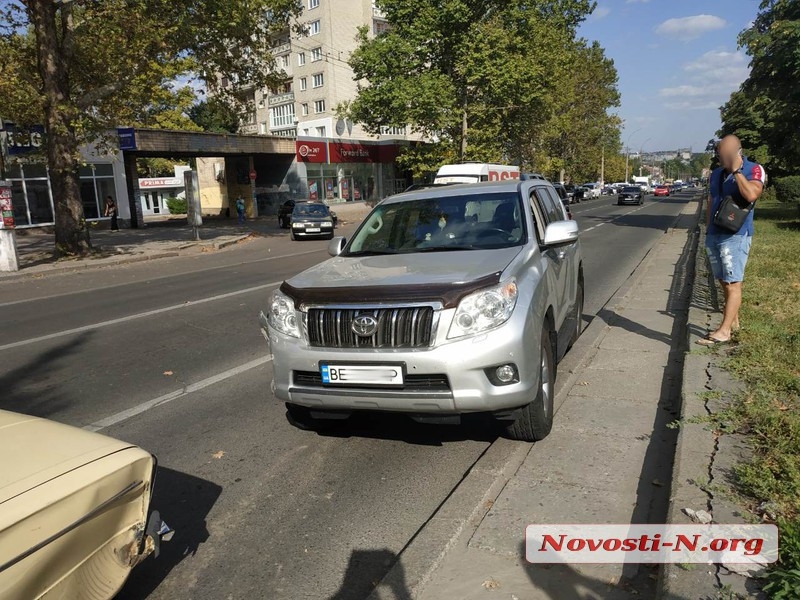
(35, 388)
(184, 502)
(365, 568)
(473, 427)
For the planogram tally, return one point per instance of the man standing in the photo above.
(240, 209)
(728, 251)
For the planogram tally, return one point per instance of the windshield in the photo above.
(311, 210)
(631, 189)
(453, 223)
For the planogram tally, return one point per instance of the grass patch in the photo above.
(767, 359)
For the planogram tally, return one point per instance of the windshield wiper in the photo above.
(446, 248)
(369, 253)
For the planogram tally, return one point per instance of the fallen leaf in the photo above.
(168, 373)
(658, 483)
(491, 584)
(488, 504)
(218, 454)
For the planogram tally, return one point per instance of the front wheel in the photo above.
(578, 314)
(535, 420)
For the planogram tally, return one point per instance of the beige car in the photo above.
(73, 510)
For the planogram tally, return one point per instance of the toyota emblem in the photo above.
(364, 325)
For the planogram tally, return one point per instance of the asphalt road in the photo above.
(168, 355)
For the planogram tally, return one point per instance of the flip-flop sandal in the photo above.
(711, 341)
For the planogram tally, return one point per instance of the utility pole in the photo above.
(603, 166)
(464, 130)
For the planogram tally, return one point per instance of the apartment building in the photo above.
(336, 159)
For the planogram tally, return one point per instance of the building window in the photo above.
(316, 54)
(379, 27)
(262, 127)
(321, 131)
(284, 60)
(281, 116)
(393, 130)
(313, 28)
(301, 59)
(312, 4)
(304, 109)
(317, 80)
(303, 84)
(319, 106)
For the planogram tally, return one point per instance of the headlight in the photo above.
(298, 225)
(484, 310)
(328, 223)
(281, 314)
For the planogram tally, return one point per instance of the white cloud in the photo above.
(689, 28)
(601, 12)
(709, 81)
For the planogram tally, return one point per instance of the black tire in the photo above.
(578, 314)
(535, 420)
(330, 237)
(300, 417)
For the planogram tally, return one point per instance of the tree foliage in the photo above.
(765, 111)
(489, 80)
(83, 67)
(215, 116)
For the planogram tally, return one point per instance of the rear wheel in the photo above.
(535, 420)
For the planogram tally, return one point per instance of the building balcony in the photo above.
(277, 99)
(282, 49)
(248, 129)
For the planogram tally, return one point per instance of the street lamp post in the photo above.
(627, 152)
(641, 160)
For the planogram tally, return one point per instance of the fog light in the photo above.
(506, 373)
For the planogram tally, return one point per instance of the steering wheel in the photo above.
(493, 232)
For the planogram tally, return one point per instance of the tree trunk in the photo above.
(53, 52)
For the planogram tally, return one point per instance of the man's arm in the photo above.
(750, 190)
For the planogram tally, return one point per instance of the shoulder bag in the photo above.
(733, 211)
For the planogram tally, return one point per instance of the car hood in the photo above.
(37, 450)
(444, 276)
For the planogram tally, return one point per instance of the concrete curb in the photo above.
(486, 479)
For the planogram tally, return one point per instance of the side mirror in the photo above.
(336, 245)
(560, 233)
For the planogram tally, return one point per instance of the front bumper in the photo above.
(628, 200)
(462, 362)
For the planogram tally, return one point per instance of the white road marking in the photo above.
(149, 313)
(194, 387)
(150, 279)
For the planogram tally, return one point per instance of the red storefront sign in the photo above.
(312, 152)
(341, 152)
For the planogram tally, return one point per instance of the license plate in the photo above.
(313, 229)
(362, 374)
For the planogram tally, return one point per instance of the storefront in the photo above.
(155, 191)
(345, 172)
(101, 175)
(32, 193)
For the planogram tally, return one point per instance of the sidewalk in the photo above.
(160, 238)
(607, 460)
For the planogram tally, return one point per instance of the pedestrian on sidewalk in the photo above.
(240, 208)
(728, 251)
(111, 211)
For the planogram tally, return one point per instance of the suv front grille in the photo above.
(412, 382)
(396, 328)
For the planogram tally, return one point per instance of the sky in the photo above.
(677, 62)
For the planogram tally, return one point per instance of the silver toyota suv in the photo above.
(450, 300)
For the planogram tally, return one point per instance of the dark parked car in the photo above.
(565, 197)
(631, 194)
(312, 219)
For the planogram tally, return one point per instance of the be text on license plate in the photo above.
(313, 229)
(362, 374)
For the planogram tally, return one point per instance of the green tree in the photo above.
(765, 111)
(215, 116)
(90, 66)
(478, 76)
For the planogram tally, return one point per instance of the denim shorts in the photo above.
(728, 256)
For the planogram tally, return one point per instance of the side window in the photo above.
(539, 215)
(548, 206)
(559, 205)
